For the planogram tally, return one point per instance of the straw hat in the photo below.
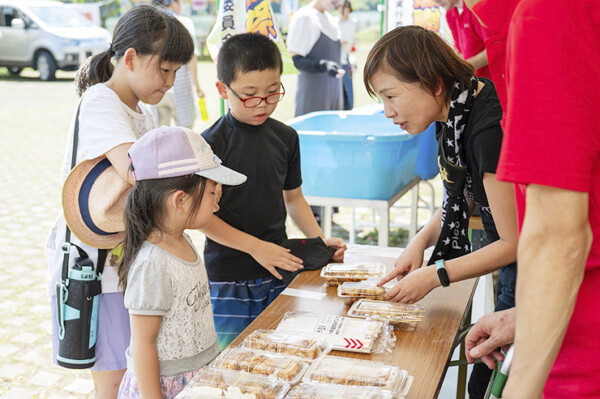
(93, 200)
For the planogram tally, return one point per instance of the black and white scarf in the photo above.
(454, 239)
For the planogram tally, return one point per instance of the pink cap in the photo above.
(176, 151)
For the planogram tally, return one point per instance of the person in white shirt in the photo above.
(314, 42)
(111, 118)
(315, 46)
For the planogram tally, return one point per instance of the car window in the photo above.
(60, 16)
(30, 23)
(7, 15)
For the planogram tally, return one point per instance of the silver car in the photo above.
(46, 35)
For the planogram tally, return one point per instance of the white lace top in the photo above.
(161, 284)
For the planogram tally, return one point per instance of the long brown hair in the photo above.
(145, 213)
(414, 54)
(147, 29)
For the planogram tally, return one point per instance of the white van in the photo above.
(46, 35)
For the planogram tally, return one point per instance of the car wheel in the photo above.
(45, 64)
(15, 71)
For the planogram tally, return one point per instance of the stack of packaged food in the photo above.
(337, 273)
(355, 372)
(287, 344)
(211, 383)
(256, 361)
(353, 291)
(394, 313)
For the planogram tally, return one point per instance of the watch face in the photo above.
(443, 276)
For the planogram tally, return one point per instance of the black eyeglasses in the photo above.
(253, 102)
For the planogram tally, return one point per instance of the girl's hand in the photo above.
(340, 248)
(410, 259)
(414, 286)
(271, 255)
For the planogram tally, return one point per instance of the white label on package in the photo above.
(303, 293)
(331, 324)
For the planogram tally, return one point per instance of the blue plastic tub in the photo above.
(427, 166)
(354, 156)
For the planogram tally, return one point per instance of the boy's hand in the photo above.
(271, 255)
(340, 248)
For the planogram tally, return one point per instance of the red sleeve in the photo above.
(481, 31)
(553, 81)
(452, 19)
(496, 14)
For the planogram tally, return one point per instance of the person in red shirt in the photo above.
(468, 35)
(494, 16)
(552, 145)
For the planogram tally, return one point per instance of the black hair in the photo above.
(416, 55)
(247, 52)
(147, 29)
(145, 213)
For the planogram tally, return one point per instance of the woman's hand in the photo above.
(340, 248)
(410, 259)
(414, 286)
(271, 255)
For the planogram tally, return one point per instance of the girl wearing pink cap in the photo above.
(162, 274)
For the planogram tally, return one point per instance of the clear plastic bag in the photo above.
(357, 372)
(337, 273)
(212, 383)
(287, 344)
(285, 367)
(342, 333)
(333, 391)
(395, 313)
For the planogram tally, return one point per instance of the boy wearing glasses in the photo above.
(242, 252)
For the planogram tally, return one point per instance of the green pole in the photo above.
(382, 17)
(502, 376)
(381, 26)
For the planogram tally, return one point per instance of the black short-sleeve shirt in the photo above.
(269, 155)
(482, 141)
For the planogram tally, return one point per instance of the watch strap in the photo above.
(442, 273)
